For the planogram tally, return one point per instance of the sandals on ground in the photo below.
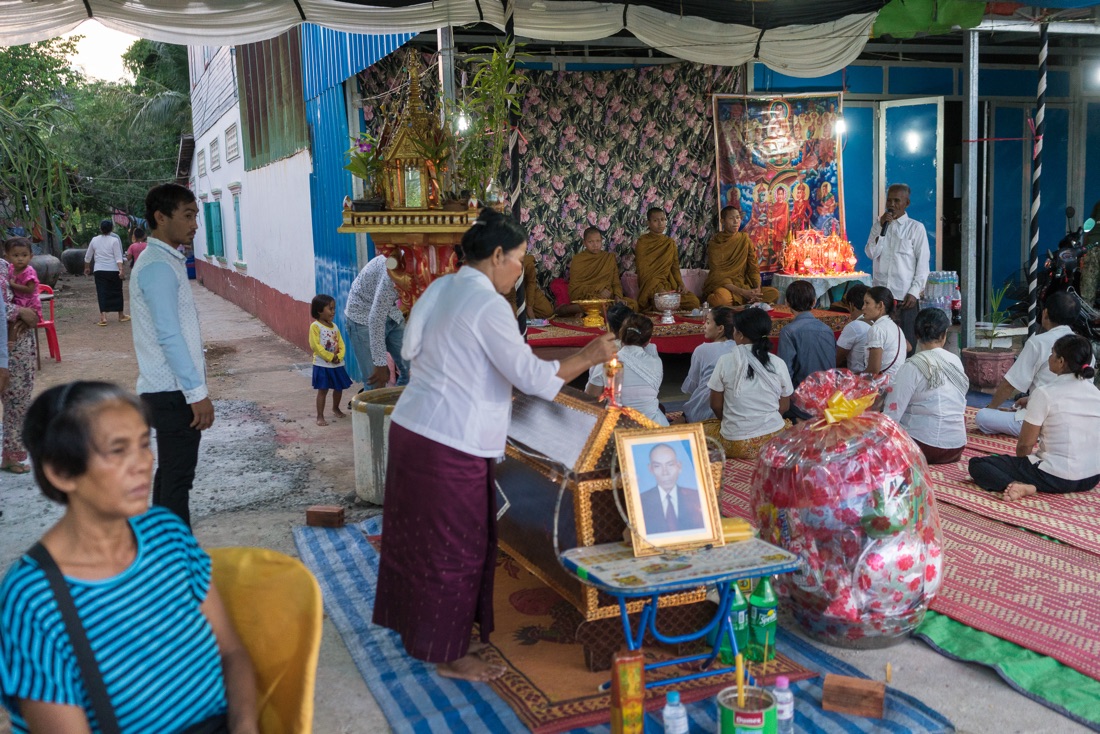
(15, 468)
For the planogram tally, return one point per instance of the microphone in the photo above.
(886, 224)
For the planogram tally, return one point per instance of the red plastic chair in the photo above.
(51, 330)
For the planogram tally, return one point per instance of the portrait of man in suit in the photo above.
(669, 507)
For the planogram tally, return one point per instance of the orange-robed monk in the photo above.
(594, 274)
(657, 260)
(734, 278)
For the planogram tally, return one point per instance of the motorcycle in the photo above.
(1062, 272)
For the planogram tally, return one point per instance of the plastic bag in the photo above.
(848, 493)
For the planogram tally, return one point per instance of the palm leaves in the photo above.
(33, 178)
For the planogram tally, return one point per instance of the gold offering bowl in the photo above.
(667, 302)
(594, 310)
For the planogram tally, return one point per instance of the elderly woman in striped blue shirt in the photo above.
(166, 656)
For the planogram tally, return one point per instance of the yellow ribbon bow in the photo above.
(841, 408)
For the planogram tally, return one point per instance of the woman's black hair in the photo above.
(756, 326)
(317, 305)
(490, 231)
(882, 294)
(106, 226)
(932, 324)
(725, 317)
(636, 330)
(854, 295)
(801, 295)
(58, 430)
(616, 315)
(14, 242)
(1076, 350)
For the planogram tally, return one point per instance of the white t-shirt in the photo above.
(884, 334)
(106, 251)
(643, 373)
(1030, 370)
(854, 339)
(751, 406)
(703, 359)
(1068, 411)
(933, 416)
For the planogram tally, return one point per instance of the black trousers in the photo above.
(907, 320)
(995, 473)
(177, 451)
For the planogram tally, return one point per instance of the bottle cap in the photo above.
(782, 682)
(673, 697)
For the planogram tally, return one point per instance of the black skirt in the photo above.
(108, 286)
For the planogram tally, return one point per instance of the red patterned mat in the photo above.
(995, 444)
(1071, 518)
(999, 579)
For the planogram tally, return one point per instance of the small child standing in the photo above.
(328, 356)
(23, 278)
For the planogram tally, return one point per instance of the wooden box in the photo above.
(566, 448)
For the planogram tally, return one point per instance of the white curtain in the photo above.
(802, 51)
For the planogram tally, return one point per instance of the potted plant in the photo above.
(986, 365)
(365, 162)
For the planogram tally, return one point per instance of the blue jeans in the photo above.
(359, 339)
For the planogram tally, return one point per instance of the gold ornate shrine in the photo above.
(409, 181)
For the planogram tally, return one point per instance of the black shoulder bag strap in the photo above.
(89, 669)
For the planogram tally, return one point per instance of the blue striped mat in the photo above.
(415, 699)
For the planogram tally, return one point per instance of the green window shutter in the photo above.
(216, 226)
(208, 211)
(237, 218)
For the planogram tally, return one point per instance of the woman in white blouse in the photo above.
(435, 577)
(718, 332)
(104, 261)
(642, 373)
(1063, 416)
(928, 394)
(749, 388)
(885, 343)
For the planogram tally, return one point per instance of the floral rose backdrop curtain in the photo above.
(599, 149)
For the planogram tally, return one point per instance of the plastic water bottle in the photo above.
(675, 715)
(784, 706)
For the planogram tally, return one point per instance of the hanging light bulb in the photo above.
(463, 122)
(840, 126)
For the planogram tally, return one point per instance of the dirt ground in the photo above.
(264, 461)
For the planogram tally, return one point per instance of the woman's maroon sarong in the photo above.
(439, 547)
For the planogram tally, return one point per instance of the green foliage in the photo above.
(33, 176)
(997, 316)
(33, 74)
(365, 160)
(162, 84)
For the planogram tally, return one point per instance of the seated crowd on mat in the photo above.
(1062, 416)
(1030, 370)
(928, 394)
(131, 578)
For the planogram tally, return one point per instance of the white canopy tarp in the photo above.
(797, 50)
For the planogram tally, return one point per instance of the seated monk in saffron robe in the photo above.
(594, 274)
(734, 278)
(657, 260)
(538, 305)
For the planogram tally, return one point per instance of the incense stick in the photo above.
(740, 680)
(764, 663)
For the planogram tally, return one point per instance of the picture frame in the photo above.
(656, 464)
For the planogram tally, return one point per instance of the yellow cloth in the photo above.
(590, 274)
(538, 305)
(658, 264)
(749, 448)
(275, 605)
(319, 350)
(724, 297)
(731, 258)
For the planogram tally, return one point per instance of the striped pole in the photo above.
(1036, 175)
(513, 115)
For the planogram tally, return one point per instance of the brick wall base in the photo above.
(286, 316)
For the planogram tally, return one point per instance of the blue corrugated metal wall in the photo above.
(328, 59)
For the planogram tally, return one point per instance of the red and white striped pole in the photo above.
(1036, 175)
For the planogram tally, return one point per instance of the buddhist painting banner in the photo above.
(777, 157)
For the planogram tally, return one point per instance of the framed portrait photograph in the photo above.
(669, 491)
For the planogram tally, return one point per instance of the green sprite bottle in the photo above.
(763, 619)
(739, 617)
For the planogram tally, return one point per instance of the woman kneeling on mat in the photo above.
(1064, 417)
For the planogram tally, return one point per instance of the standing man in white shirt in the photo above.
(375, 325)
(898, 248)
(171, 365)
(1030, 370)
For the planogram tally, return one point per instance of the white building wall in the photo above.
(275, 207)
(213, 84)
(214, 178)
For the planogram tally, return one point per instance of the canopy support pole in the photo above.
(969, 274)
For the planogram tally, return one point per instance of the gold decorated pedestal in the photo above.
(421, 244)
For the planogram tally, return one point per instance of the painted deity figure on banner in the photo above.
(758, 230)
(826, 218)
(779, 215)
(801, 213)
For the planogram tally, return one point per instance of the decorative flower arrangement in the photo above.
(365, 160)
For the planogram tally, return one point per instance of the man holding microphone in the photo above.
(898, 248)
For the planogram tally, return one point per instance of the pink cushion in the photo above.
(559, 289)
(694, 278)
